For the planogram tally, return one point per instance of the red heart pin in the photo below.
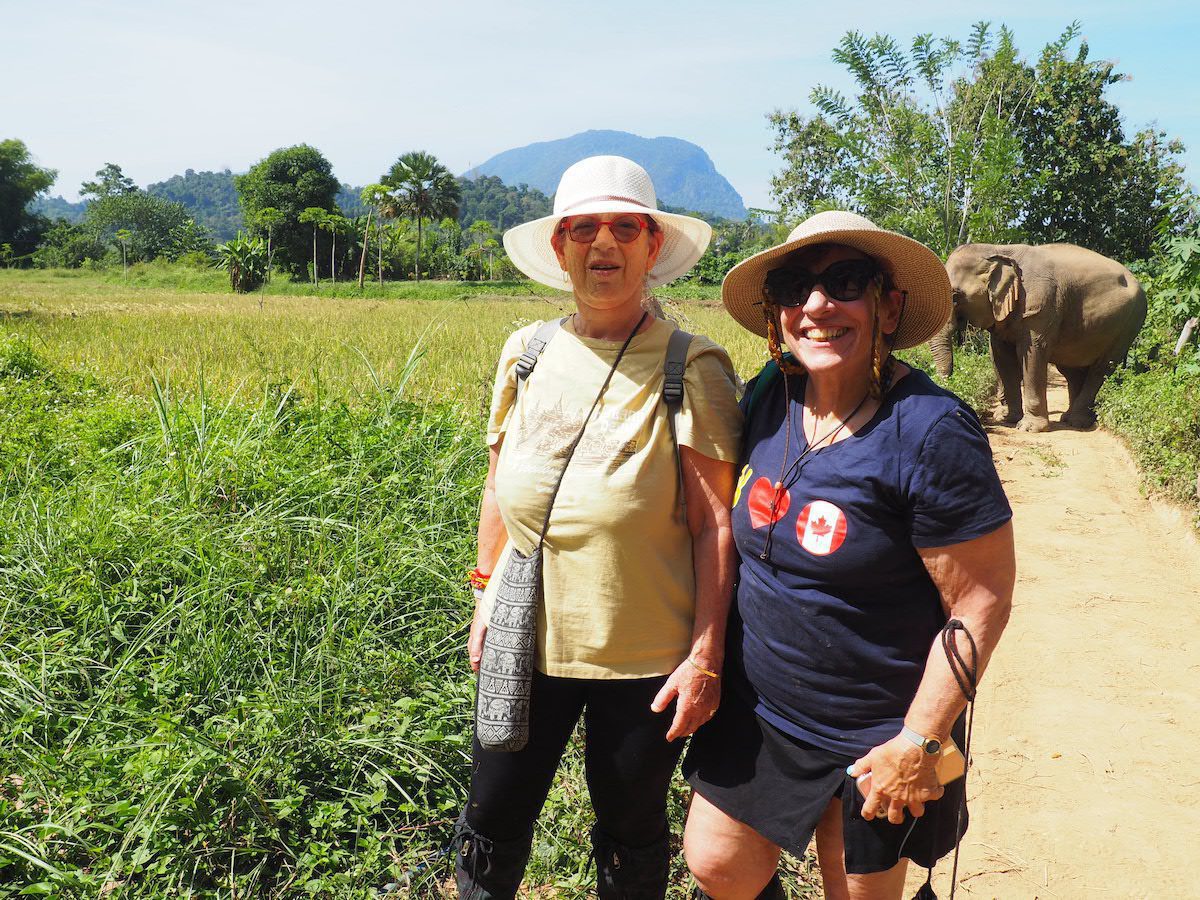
(762, 495)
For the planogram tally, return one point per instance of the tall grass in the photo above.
(231, 609)
(231, 631)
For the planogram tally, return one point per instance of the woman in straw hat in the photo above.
(868, 516)
(637, 579)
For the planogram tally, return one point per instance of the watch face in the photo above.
(933, 746)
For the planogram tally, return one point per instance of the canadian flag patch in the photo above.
(821, 528)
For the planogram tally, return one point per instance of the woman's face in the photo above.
(829, 336)
(607, 274)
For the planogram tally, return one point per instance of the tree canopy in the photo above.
(209, 197)
(290, 180)
(1005, 150)
(423, 189)
(21, 180)
(489, 199)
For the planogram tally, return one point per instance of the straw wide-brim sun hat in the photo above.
(603, 185)
(915, 269)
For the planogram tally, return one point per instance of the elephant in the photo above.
(1052, 303)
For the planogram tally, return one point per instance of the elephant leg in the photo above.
(1033, 384)
(1082, 413)
(1008, 369)
(1075, 377)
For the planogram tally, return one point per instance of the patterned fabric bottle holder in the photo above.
(506, 667)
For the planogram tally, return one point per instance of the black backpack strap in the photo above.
(536, 345)
(673, 366)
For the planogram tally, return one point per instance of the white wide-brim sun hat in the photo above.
(915, 269)
(603, 185)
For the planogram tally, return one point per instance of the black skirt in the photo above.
(780, 786)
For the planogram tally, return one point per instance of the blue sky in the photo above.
(161, 86)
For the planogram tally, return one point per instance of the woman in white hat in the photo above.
(637, 554)
(869, 520)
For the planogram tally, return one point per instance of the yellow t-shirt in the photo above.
(618, 585)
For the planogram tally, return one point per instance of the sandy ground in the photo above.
(1085, 781)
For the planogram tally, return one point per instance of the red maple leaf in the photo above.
(820, 527)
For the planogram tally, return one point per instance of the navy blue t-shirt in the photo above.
(832, 632)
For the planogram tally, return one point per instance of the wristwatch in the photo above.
(932, 746)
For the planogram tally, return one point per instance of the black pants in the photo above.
(628, 760)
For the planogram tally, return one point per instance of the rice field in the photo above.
(232, 608)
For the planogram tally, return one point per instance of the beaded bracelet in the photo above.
(477, 579)
(699, 668)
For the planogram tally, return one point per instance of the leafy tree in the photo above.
(314, 216)
(209, 197)
(245, 258)
(268, 219)
(156, 227)
(110, 182)
(21, 180)
(1008, 151)
(378, 198)
(1087, 184)
(334, 224)
(490, 199)
(290, 180)
(123, 236)
(67, 246)
(424, 189)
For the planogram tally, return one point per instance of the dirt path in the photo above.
(1087, 730)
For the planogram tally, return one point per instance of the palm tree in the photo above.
(384, 204)
(424, 189)
(335, 224)
(268, 218)
(315, 216)
(123, 236)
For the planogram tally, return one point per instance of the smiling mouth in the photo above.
(824, 334)
(604, 267)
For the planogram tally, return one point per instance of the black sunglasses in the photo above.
(845, 280)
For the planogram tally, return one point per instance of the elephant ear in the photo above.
(1004, 286)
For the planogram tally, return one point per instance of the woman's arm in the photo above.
(976, 580)
(491, 540)
(708, 488)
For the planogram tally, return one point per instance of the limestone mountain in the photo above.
(684, 176)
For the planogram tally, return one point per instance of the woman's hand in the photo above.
(903, 776)
(696, 694)
(475, 640)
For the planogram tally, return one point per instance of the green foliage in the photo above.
(67, 246)
(1157, 412)
(245, 259)
(156, 227)
(1006, 152)
(21, 180)
(209, 197)
(231, 640)
(488, 198)
(423, 189)
(110, 182)
(1154, 401)
(288, 180)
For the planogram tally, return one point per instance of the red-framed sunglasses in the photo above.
(583, 229)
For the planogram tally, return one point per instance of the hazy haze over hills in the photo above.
(683, 174)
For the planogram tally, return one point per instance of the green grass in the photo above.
(1157, 413)
(231, 599)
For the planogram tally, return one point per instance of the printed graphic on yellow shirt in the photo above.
(605, 444)
(747, 472)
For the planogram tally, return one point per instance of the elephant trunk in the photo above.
(941, 345)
